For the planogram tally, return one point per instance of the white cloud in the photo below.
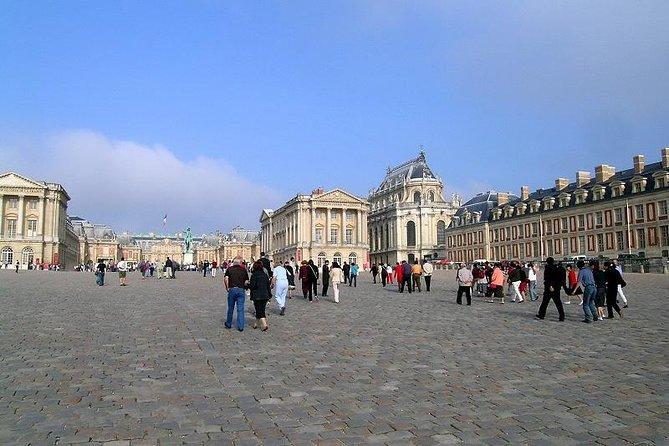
(131, 185)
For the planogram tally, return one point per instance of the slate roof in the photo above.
(484, 203)
(412, 169)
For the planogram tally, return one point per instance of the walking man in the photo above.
(236, 280)
(347, 271)
(406, 276)
(553, 282)
(613, 281)
(416, 272)
(122, 268)
(384, 274)
(587, 281)
(353, 280)
(465, 279)
(375, 272)
(428, 269)
(621, 293)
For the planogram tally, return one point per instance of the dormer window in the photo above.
(638, 185)
(661, 179)
(496, 213)
(617, 189)
(549, 202)
(581, 196)
(598, 193)
(534, 206)
(508, 211)
(520, 208)
(564, 200)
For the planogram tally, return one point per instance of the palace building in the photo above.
(324, 225)
(408, 214)
(34, 228)
(613, 213)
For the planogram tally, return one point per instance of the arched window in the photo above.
(337, 258)
(430, 197)
(27, 255)
(321, 259)
(411, 234)
(441, 232)
(416, 197)
(7, 255)
(352, 258)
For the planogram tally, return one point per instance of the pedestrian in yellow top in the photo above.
(416, 272)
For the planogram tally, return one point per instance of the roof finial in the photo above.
(421, 151)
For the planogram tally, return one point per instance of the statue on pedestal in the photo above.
(188, 241)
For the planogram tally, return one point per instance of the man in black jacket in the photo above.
(347, 270)
(613, 279)
(384, 274)
(325, 277)
(266, 265)
(553, 282)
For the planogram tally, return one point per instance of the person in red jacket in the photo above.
(399, 275)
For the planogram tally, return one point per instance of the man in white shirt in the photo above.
(428, 269)
(122, 268)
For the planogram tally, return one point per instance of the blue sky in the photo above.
(239, 105)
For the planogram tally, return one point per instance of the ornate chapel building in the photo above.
(408, 214)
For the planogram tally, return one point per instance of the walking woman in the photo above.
(304, 278)
(399, 275)
(337, 278)
(496, 287)
(260, 294)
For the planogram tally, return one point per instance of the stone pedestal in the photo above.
(188, 258)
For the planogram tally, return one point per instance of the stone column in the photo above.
(313, 225)
(343, 226)
(328, 210)
(2, 215)
(42, 216)
(358, 228)
(20, 223)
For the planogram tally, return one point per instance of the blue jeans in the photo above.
(236, 296)
(589, 308)
(533, 290)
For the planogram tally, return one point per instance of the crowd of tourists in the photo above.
(598, 285)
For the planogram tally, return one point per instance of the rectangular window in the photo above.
(581, 221)
(496, 234)
(599, 218)
(591, 243)
(13, 203)
(620, 240)
(564, 224)
(664, 235)
(32, 204)
(641, 238)
(535, 228)
(32, 228)
(600, 243)
(638, 211)
(652, 236)
(549, 248)
(619, 215)
(581, 244)
(349, 236)
(334, 235)
(650, 211)
(319, 235)
(662, 208)
(535, 249)
(11, 228)
(608, 215)
(565, 246)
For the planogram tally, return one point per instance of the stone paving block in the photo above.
(152, 364)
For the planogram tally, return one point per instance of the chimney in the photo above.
(665, 158)
(639, 163)
(561, 183)
(502, 198)
(524, 192)
(603, 172)
(582, 178)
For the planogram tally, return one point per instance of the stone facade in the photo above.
(324, 225)
(408, 214)
(611, 214)
(33, 223)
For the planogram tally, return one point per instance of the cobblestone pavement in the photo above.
(151, 364)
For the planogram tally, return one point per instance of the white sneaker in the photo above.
(568, 302)
(600, 318)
